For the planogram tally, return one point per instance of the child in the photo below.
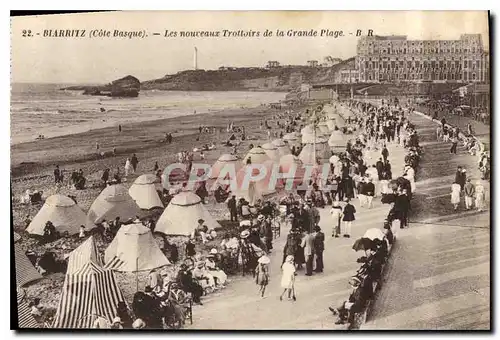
(288, 277)
(262, 274)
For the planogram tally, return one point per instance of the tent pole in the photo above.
(137, 274)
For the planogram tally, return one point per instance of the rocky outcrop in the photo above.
(128, 86)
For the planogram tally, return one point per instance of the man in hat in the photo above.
(155, 281)
(361, 192)
(348, 218)
(319, 247)
(308, 245)
(117, 323)
(346, 311)
(460, 177)
(187, 284)
(336, 213)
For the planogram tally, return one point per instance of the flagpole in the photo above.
(137, 274)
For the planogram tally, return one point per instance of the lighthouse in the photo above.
(195, 59)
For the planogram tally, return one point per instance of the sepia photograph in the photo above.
(251, 170)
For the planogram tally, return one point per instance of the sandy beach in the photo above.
(32, 166)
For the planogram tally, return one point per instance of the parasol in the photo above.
(363, 244)
(374, 233)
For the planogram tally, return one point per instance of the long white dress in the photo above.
(128, 167)
(288, 275)
(455, 193)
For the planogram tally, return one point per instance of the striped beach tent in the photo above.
(88, 294)
(25, 271)
(24, 317)
(85, 253)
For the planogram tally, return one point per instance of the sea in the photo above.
(45, 109)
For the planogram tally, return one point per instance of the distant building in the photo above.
(395, 58)
(348, 76)
(273, 64)
(312, 63)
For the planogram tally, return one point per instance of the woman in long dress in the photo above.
(455, 195)
(288, 277)
(128, 167)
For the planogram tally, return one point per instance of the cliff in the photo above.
(128, 86)
(284, 78)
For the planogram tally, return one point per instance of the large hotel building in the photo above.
(395, 58)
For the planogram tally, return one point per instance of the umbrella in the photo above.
(374, 233)
(264, 260)
(363, 244)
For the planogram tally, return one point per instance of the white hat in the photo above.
(335, 203)
(213, 251)
(245, 233)
(138, 324)
(264, 259)
(117, 319)
(260, 217)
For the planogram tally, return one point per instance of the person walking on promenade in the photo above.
(455, 195)
(336, 213)
(57, 175)
(469, 191)
(308, 246)
(349, 211)
(480, 196)
(262, 274)
(369, 192)
(319, 247)
(454, 143)
(460, 177)
(385, 153)
(288, 277)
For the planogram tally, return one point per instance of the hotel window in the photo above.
(404, 50)
(473, 50)
(420, 77)
(465, 63)
(452, 76)
(473, 76)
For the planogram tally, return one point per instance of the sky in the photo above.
(39, 59)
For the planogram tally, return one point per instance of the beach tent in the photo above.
(224, 161)
(87, 294)
(114, 201)
(256, 189)
(182, 214)
(291, 167)
(64, 214)
(134, 249)
(143, 192)
(271, 151)
(25, 271)
(24, 317)
(293, 139)
(331, 123)
(83, 254)
(17, 237)
(257, 155)
(283, 148)
(307, 153)
(337, 142)
(308, 135)
(324, 129)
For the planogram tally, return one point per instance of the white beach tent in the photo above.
(324, 129)
(307, 154)
(293, 139)
(64, 214)
(143, 192)
(225, 160)
(337, 141)
(257, 155)
(182, 214)
(255, 190)
(134, 249)
(283, 148)
(114, 201)
(271, 151)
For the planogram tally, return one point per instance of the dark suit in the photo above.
(319, 247)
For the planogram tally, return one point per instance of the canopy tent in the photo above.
(255, 190)
(257, 155)
(331, 123)
(24, 317)
(324, 129)
(271, 151)
(134, 249)
(25, 271)
(88, 293)
(143, 192)
(283, 148)
(63, 212)
(83, 254)
(307, 153)
(17, 237)
(182, 214)
(114, 201)
(224, 161)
